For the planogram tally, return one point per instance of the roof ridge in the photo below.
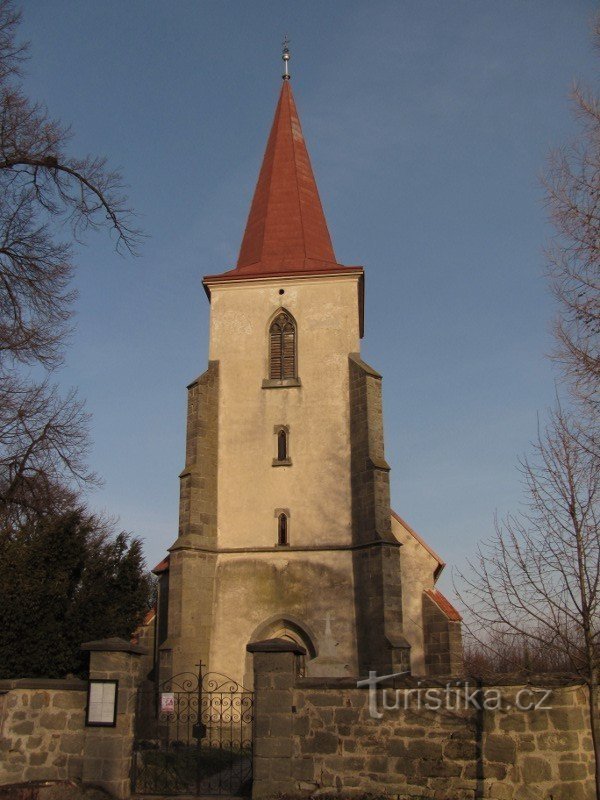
(276, 125)
(289, 102)
(421, 541)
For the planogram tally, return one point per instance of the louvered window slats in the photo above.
(282, 354)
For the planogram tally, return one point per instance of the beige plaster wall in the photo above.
(316, 488)
(315, 589)
(417, 566)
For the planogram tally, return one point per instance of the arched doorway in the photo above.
(281, 627)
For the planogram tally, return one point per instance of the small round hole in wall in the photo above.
(282, 291)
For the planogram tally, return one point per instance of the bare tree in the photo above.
(43, 437)
(538, 579)
(507, 654)
(572, 184)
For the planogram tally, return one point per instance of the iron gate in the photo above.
(193, 737)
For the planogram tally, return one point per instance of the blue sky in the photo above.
(428, 124)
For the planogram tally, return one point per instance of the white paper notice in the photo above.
(167, 702)
(102, 703)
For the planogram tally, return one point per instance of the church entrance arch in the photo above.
(282, 627)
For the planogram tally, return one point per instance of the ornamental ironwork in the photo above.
(193, 737)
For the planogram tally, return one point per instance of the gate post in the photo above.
(107, 750)
(275, 670)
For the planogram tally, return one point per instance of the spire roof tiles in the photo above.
(286, 231)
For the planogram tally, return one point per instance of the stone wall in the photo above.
(186, 591)
(442, 640)
(43, 735)
(376, 557)
(314, 736)
(514, 754)
(41, 729)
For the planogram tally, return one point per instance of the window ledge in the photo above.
(273, 383)
(285, 462)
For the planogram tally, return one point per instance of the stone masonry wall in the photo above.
(41, 730)
(198, 491)
(330, 737)
(442, 640)
(376, 561)
(507, 755)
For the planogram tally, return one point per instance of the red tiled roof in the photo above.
(286, 231)
(163, 566)
(414, 534)
(149, 616)
(444, 605)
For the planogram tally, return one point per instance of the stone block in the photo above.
(331, 698)
(513, 722)
(270, 747)
(568, 719)
(537, 721)
(485, 771)
(33, 742)
(275, 700)
(558, 741)
(500, 748)
(409, 732)
(280, 725)
(570, 791)
(54, 720)
(281, 769)
(405, 766)
(572, 771)
(36, 759)
(535, 770)
(346, 716)
(39, 773)
(324, 742)
(422, 748)
(377, 764)
(358, 698)
(303, 769)
(261, 769)
(72, 743)
(437, 768)
(40, 700)
(460, 749)
(76, 721)
(69, 700)
(396, 747)
(23, 728)
(300, 726)
(75, 767)
(280, 680)
(527, 743)
(501, 791)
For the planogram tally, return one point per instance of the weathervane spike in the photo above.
(285, 55)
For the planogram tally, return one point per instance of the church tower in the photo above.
(285, 526)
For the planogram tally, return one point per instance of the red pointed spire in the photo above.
(286, 229)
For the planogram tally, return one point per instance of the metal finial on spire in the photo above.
(285, 55)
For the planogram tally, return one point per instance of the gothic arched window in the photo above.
(282, 347)
(282, 530)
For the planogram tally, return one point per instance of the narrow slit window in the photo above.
(282, 445)
(282, 530)
(282, 347)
